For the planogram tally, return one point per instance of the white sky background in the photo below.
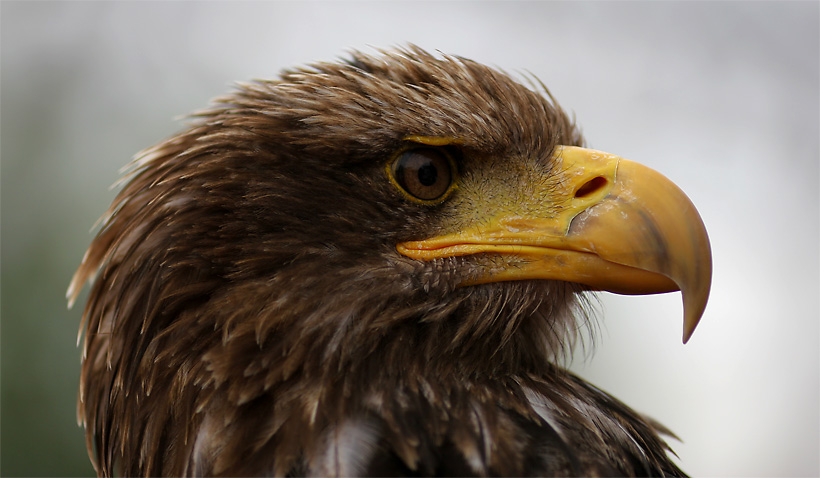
(722, 98)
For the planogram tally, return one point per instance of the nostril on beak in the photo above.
(590, 187)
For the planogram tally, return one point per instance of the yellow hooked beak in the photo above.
(625, 228)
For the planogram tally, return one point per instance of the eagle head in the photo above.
(370, 267)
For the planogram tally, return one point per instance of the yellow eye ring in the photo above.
(424, 174)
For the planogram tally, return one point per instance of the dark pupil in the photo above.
(428, 174)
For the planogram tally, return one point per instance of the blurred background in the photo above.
(720, 97)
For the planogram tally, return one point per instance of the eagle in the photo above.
(374, 266)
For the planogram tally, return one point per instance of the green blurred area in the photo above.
(39, 359)
(40, 367)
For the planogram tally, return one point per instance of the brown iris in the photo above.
(423, 173)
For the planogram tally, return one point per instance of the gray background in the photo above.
(720, 97)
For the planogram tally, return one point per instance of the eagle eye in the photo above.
(424, 173)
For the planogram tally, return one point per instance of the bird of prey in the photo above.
(374, 267)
